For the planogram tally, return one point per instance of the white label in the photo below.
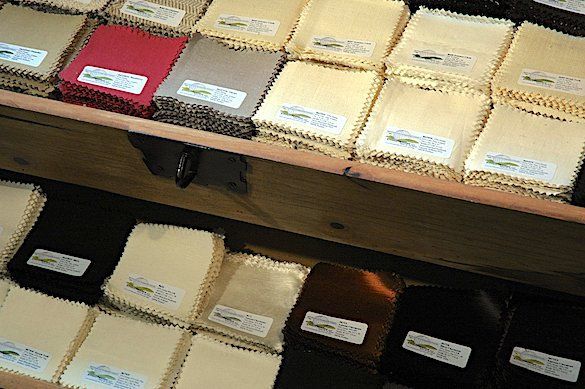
(549, 365)
(22, 55)
(324, 121)
(24, 356)
(572, 85)
(539, 170)
(212, 93)
(153, 12)
(437, 349)
(165, 295)
(343, 46)
(241, 320)
(333, 327)
(125, 82)
(113, 378)
(451, 61)
(246, 24)
(83, 1)
(60, 263)
(576, 6)
(419, 141)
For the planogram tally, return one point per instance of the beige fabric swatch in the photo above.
(51, 326)
(4, 288)
(186, 261)
(372, 25)
(256, 285)
(212, 364)
(70, 6)
(268, 136)
(148, 351)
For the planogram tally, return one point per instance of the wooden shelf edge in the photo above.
(299, 158)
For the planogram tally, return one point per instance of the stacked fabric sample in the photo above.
(317, 108)
(443, 338)
(33, 48)
(119, 70)
(490, 8)
(263, 24)
(422, 131)
(125, 353)
(543, 73)
(160, 17)
(213, 364)
(21, 206)
(75, 7)
(252, 298)
(527, 154)
(166, 272)
(344, 312)
(63, 258)
(355, 33)
(447, 50)
(216, 88)
(40, 334)
(561, 15)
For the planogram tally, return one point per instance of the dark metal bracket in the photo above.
(187, 163)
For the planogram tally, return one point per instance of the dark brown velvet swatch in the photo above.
(350, 294)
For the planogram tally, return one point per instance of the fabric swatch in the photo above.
(579, 193)
(256, 285)
(167, 271)
(489, 8)
(560, 15)
(354, 33)
(74, 7)
(213, 364)
(362, 300)
(4, 288)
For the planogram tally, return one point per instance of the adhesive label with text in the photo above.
(334, 327)
(576, 6)
(548, 365)
(343, 46)
(157, 292)
(501, 163)
(112, 377)
(154, 12)
(61, 263)
(125, 82)
(247, 322)
(246, 24)
(437, 349)
(452, 61)
(552, 81)
(323, 121)
(22, 55)
(23, 356)
(419, 141)
(214, 94)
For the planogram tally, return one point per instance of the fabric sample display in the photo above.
(443, 338)
(33, 48)
(75, 7)
(257, 287)
(355, 33)
(345, 311)
(160, 17)
(263, 24)
(318, 108)
(422, 131)
(543, 73)
(40, 334)
(213, 364)
(167, 271)
(119, 70)
(560, 15)
(216, 88)
(71, 250)
(490, 8)
(21, 206)
(433, 53)
(146, 355)
(544, 347)
(527, 154)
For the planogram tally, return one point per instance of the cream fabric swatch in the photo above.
(379, 23)
(53, 326)
(257, 285)
(437, 33)
(282, 12)
(69, 6)
(212, 364)
(182, 258)
(148, 350)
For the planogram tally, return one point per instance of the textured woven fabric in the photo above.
(490, 8)
(559, 15)
(89, 7)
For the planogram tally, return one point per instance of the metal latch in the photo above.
(187, 163)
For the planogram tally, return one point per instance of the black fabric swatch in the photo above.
(579, 193)
(80, 230)
(558, 19)
(466, 318)
(554, 329)
(490, 8)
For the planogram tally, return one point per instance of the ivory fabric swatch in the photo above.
(489, 8)
(74, 7)
(167, 271)
(322, 107)
(422, 131)
(560, 15)
(21, 206)
(40, 334)
(543, 72)
(264, 24)
(148, 355)
(447, 50)
(527, 154)
(256, 285)
(213, 364)
(354, 33)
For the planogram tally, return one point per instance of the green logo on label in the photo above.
(538, 80)
(100, 78)
(6, 52)
(45, 260)
(228, 318)
(142, 10)
(9, 352)
(144, 289)
(294, 115)
(196, 91)
(532, 361)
